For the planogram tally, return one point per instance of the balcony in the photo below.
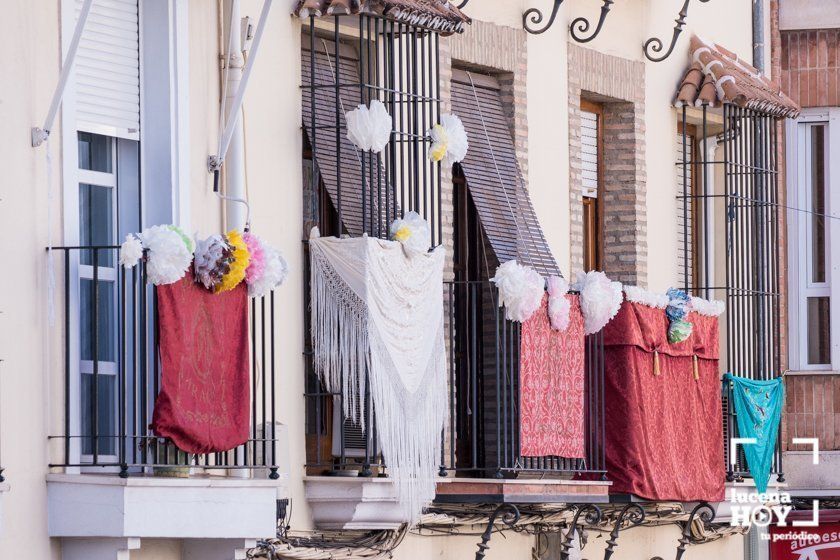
(481, 460)
(108, 469)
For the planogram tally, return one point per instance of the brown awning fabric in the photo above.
(439, 15)
(494, 178)
(718, 76)
(326, 143)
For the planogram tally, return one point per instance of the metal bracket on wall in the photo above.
(581, 25)
(536, 17)
(592, 517)
(702, 511)
(510, 516)
(631, 515)
(654, 45)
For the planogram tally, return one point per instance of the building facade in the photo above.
(585, 154)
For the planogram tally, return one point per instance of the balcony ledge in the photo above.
(522, 491)
(344, 503)
(106, 506)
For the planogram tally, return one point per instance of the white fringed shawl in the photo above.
(376, 305)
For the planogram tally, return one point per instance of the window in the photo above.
(591, 153)
(97, 293)
(812, 299)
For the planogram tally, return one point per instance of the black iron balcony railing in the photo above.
(481, 434)
(112, 376)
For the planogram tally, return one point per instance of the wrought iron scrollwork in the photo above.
(510, 516)
(580, 25)
(632, 515)
(533, 17)
(592, 517)
(705, 513)
(654, 45)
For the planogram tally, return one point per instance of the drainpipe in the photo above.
(234, 166)
(758, 34)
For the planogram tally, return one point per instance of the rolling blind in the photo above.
(589, 153)
(327, 144)
(108, 70)
(494, 178)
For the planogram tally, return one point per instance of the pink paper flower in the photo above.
(256, 268)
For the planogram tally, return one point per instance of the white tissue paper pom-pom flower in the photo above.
(521, 290)
(559, 305)
(651, 299)
(413, 232)
(369, 128)
(169, 259)
(600, 299)
(276, 271)
(457, 139)
(707, 307)
(131, 251)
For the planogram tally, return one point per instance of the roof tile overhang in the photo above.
(438, 15)
(717, 76)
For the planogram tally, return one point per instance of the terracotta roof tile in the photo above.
(717, 76)
(440, 15)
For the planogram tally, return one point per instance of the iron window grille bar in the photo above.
(132, 448)
(748, 205)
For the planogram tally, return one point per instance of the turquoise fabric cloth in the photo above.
(758, 410)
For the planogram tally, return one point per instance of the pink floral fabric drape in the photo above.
(552, 386)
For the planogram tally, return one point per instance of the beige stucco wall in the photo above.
(29, 41)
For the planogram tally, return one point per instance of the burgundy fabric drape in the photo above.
(551, 372)
(664, 433)
(203, 404)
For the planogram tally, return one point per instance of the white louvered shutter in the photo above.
(108, 70)
(589, 153)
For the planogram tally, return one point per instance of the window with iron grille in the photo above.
(729, 238)
(346, 61)
(351, 60)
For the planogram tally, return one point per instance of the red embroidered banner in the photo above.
(203, 404)
(664, 433)
(551, 374)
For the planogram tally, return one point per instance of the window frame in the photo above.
(594, 205)
(162, 164)
(799, 287)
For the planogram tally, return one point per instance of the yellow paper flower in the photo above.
(241, 260)
(402, 234)
(440, 143)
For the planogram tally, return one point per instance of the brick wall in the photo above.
(810, 66)
(812, 409)
(616, 83)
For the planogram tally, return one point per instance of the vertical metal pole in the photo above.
(703, 227)
(94, 405)
(686, 220)
(337, 44)
(438, 166)
(273, 474)
(123, 377)
(67, 434)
